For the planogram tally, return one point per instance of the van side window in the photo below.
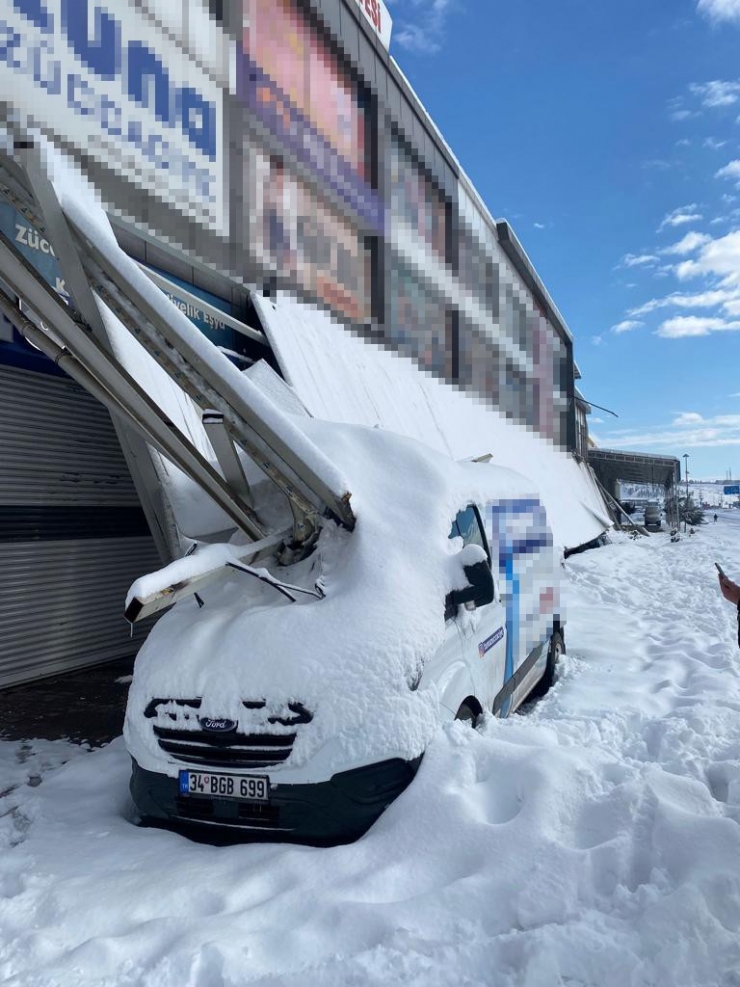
(468, 527)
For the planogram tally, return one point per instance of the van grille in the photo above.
(193, 745)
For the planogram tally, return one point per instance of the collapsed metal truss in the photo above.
(74, 336)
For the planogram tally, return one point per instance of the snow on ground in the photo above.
(593, 840)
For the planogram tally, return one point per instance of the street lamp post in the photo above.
(686, 474)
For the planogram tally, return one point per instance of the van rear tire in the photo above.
(555, 649)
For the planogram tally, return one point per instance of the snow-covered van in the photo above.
(296, 701)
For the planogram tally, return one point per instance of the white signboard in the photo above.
(376, 13)
(101, 76)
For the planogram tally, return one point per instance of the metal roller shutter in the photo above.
(58, 445)
(72, 535)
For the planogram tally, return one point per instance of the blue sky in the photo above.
(608, 134)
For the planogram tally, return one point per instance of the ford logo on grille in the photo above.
(216, 726)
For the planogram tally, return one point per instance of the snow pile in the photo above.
(592, 841)
(341, 378)
(349, 658)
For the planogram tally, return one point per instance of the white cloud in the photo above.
(688, 418)
(716, 93)
(691, 242)
(638, 260)
(720, 10)
(423, 31)
(719, 258)
(539, 226)
(725, 298)
(688, 430)
(731, 170)
(597, 340)
(627, 326)
(683, 326)
(681, 216)
(713, 144)
(592, 420)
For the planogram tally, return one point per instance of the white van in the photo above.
(296, 702)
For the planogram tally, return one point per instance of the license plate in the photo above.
(254, 787)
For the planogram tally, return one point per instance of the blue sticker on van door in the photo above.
(489, 642)
(512, 627)
(519, 528)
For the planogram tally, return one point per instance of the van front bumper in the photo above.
(336, 811)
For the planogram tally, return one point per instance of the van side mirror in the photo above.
(479, 592)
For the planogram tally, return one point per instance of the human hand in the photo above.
(730, 590)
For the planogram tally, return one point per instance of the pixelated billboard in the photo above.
(102, 77)
(296, 87)
(278, 37)
(418, 322)
(294, 233)
(414, 201)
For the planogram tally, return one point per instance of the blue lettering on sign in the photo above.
(144, 78)
(33, 246)
(101, 53)
(35, 11)
(489, 642)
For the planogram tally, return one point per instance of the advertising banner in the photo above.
(296, 87)
(294, 233)
(102, 77)
(280, 40)
(275, 112)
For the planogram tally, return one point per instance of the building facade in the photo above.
(270, 144)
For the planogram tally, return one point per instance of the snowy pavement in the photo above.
(594, 840)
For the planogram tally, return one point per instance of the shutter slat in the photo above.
(61, 602)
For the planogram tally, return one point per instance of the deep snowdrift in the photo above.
(594, 841)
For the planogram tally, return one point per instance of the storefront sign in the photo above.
(377, 16)
(33, 246)
(102, 77)
(185, 297)
(211, 326)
